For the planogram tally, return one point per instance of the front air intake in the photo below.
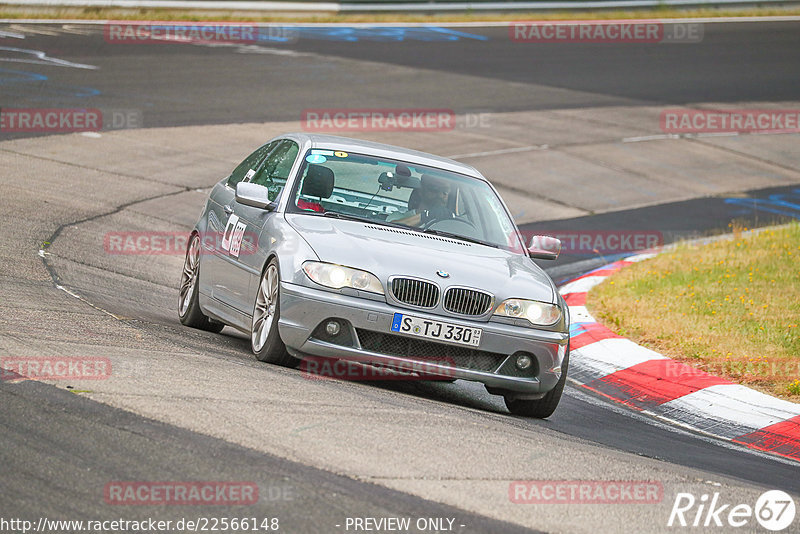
(465, 301)
(415, 292)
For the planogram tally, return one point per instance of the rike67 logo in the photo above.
(774, 510)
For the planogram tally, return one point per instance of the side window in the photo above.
(250, 164)
(275, 169)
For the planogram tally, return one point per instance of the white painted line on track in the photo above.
(718, 134)
(735, 403)
(581, 285)
(580, 314)
(43, 254)
(615, 354)
(656, 137)
(501, 151)
(37, 57)
(11, 35)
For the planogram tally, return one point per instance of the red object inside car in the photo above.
(313, 206)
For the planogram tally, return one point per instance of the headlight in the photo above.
(338, 276)
(538, 313)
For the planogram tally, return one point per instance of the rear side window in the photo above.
(250, 164)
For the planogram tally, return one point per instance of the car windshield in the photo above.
(383, 191)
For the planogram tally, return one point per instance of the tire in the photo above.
(544, 407)
(265, 341)
(189, 310)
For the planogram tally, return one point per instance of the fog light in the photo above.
(524, 362)
(332, 328)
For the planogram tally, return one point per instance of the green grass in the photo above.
(731, 308)
(101, 13)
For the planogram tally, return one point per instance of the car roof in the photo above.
(347, 144)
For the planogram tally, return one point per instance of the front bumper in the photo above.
(303, 310)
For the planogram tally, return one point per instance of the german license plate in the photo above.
(429, 329)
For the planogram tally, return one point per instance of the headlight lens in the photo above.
(538, 313)
(338, 276)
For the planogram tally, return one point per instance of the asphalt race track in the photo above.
(570, 135)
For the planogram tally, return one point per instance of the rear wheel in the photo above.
(264, 337)
(544, 407)
(189, 310)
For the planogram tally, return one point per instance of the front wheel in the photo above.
(189, 310)
(264, 337)
(544, 407)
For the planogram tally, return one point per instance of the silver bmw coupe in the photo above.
(323, 247)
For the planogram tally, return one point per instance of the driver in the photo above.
(432, 204)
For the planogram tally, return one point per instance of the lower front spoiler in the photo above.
(303, 309)
(316, 347)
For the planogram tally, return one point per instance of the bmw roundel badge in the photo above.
(443, 274)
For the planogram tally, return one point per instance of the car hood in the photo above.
(388, 251)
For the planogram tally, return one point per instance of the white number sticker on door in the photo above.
(232, 238)
(236, 239)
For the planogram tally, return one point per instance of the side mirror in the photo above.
(254, 195)
(544, 247)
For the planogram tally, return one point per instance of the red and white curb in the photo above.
(647, 381)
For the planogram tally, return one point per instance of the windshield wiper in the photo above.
(461, 237)
(337, 215)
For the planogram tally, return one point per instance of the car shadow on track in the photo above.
(461, 393)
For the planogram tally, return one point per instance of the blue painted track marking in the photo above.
(374, 33)
(782, 204)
